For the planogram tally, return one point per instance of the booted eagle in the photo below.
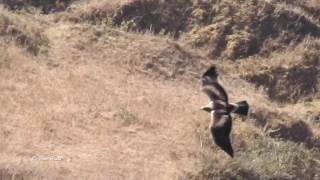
(220, 110)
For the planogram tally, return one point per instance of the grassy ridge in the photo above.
(113, 87)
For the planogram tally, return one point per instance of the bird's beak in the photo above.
(206, 108)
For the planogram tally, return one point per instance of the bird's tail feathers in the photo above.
(241, 108)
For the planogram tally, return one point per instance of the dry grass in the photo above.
(103, 102)
(95, 12)
(45, 6)
(82, 102)
(310, 8)
(245, 28)
(26, 32)
(289, 76)
(258, 157)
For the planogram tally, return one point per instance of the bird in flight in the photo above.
(220, 110)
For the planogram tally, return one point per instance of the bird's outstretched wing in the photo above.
(212, 87)
(220, 130)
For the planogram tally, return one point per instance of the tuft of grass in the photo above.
(23, 33)
(224, 29)
(95, 12)
(260, 157)
(241, 29)
(290, 76)
(126, 117)
(70, 105)
(46, 6)
(6, 173)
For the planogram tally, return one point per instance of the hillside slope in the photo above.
(79, 102)
(95, 93)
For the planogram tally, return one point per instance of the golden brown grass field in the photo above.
(110, 89)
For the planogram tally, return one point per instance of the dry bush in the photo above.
(282, 125)
(286, 150)
(97, 91)
(9, 174)
(288, 123)
(290, 76)
(95, 12)
(165, 17)
(311, 7)
(227, 29)
(154, 15)
(297, 131)
(126, 117)
(259, 157)
(25, 34)
(243, 28)
(46, 6)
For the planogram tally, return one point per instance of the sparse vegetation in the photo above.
(112, 87)
(227, 29)
(263, 158)
(289, 76)
(46, 6)
(21, 31)
(127, 118)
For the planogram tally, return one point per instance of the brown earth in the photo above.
(90, 93)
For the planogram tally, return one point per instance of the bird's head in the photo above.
(208, 108)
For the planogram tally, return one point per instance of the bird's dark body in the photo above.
(220, 109)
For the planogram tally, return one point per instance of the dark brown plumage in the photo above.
(220, 109)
